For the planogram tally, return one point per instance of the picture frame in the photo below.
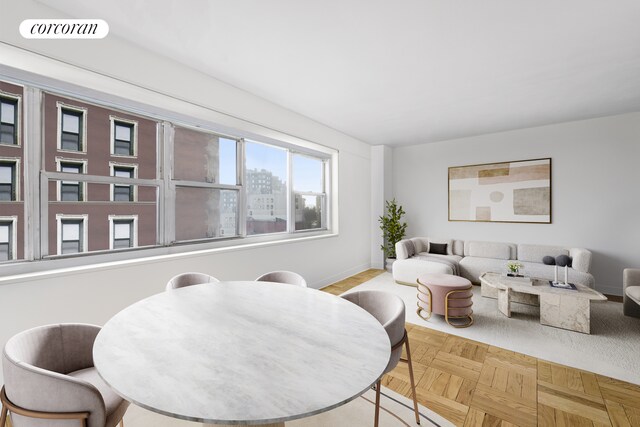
(517, 191)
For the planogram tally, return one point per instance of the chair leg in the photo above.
(413, 384)
(3, 416)
(377, 416)
(122, 422)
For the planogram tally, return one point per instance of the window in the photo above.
(159, 179)
(7, 181)
(71, 191)
(266, 187)
(123, 193)
(7, 238)
(8, 121)
(71, 234)
(205, 175)
(308, 189)
(71, 135)
(123, 138)
(123, 232)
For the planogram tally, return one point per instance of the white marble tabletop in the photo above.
(241, 352)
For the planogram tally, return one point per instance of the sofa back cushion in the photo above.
(497, 250)
(535, 253)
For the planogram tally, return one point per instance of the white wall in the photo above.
(595, 196)
(94, 295)
(381, 191)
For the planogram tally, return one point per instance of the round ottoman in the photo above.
(447, 295)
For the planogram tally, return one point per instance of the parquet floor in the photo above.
(474, 384)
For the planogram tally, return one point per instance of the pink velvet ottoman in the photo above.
(447, 295)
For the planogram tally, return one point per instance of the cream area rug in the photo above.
(395, 411)
(612, 349)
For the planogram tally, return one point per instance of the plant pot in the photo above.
(388, 265)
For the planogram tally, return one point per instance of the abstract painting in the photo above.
(517, 191)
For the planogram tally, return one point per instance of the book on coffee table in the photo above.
(569, 286)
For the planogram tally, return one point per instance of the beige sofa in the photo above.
(470, 259)
(631, 285)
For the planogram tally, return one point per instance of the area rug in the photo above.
(612, 349)
(395, 411)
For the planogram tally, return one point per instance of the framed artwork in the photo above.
(517, 191)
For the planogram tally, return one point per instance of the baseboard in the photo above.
(341, 276)
(610, 290)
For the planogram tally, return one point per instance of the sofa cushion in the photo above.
(410, 247)
(438, 248)
(535, 253)
(449, 243)
(495, 250)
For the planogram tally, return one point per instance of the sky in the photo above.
(307, 172)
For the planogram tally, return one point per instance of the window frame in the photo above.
(15, 161)
(17, 117)
(113, 120)
(13, 236)
(82, 111)
(113, 219)
(84, 220)
(82, 185)
(323, 194)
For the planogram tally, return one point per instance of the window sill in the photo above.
(27, 271)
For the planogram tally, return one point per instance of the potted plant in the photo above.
(393, 230)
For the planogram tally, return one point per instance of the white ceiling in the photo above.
(402, 72)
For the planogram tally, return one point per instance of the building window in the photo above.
(72, 236)
(121, 192)
(7, 181)
(123, 135)
(71, 135)
(309, 192)
(71, 191)
(123, 232)
(7, 238)
(8, 121)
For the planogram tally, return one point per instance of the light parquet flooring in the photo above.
(473, 384)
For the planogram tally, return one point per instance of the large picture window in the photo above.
(113, 179)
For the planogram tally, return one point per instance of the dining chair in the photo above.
(283, 276)
(389, 310)
(50, 380)
(183, 280)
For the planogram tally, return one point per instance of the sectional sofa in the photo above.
(470, 259)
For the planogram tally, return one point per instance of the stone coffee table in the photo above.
(562, 308)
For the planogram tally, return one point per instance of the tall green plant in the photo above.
(393, 229)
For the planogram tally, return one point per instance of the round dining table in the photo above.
(241, 353)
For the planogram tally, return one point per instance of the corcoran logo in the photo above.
(64, 29)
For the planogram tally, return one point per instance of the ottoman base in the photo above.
(453, 299)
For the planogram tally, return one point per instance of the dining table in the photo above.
(241, 353)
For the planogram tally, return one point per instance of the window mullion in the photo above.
(242, 195)
(168, 188)
(32, 145)
(291, 215)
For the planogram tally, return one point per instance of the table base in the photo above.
(236, 425)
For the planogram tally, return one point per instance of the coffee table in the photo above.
(249, 353)
(562, 308)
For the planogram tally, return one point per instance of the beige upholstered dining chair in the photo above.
(389, 310)
(50, 380)
(188, 279)
(283, 277)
